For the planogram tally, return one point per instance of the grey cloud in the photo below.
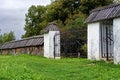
(12, 14)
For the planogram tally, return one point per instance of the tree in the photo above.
(87, 5)
(60, 11)
(1, 39)
(55, 11)
(34, 21)
(6, 37)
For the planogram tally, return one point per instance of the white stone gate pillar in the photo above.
(52, 41)
(94, 43)
(116, 34)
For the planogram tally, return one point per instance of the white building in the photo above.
(52, 41)
(104, 33)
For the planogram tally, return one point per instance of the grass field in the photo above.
(26, 67)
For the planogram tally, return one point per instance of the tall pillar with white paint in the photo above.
(52, 41)
(116, 34)
(94, 44)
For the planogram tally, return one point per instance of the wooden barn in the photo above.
(47, 45)
(32, 45)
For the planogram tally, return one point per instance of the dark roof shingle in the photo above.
(27, 42)
(106, 12)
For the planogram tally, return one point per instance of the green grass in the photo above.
(26, 67)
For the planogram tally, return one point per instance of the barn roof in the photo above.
(51, 27)
(26, 42)
(103, 13)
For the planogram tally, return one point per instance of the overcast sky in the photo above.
(12, 14)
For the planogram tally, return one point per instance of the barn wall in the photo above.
(35, 51)
(94, 41)
(116, 34)
(42, 50)
(24, 50)
(38, 50)
(18, 50)
(13, 51)
(4, 52)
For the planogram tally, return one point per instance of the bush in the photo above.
(83, 50)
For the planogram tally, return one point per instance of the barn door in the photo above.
(107, 39)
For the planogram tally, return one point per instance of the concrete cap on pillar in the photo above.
(51, 27)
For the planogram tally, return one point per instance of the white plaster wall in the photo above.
(116, 34)
(94, 41)
(54, 35)
(46, 45)
(49, 44)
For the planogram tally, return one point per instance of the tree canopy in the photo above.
(65, 13)
(70, 16)
(6, 37)
(34, 20)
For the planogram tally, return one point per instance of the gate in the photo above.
(72, 42)
(107, 39)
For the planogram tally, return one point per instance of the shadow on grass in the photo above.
(2, 78)
(106, 64)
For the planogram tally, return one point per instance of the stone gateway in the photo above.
(104, 33)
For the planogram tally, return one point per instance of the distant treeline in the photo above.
(6, 37)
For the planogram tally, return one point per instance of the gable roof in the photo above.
(27, 42)
(106, 12)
